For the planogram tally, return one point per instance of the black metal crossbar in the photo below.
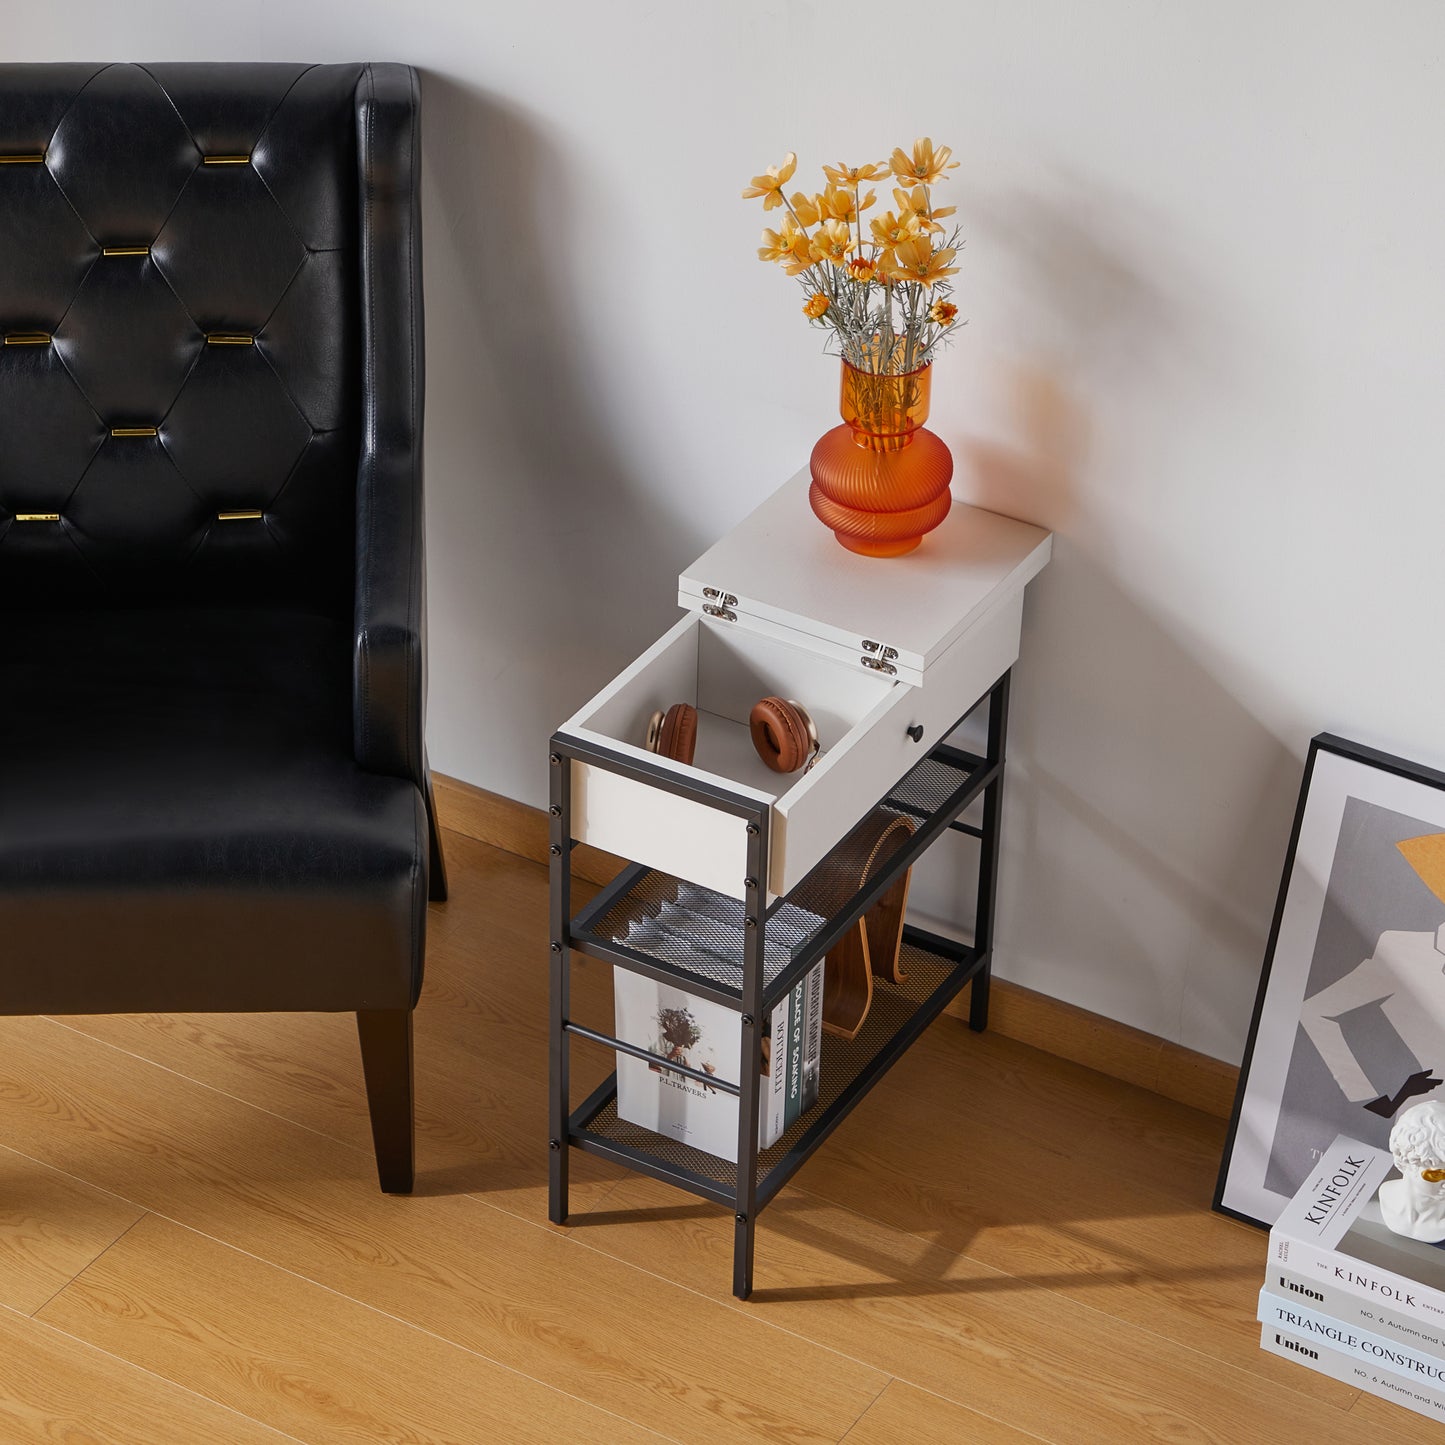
(708, 1081)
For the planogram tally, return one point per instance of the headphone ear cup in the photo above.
(678, 738)
(780, 734)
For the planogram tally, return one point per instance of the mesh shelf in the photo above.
(926, 787)
(693, 933)
(894, 1005)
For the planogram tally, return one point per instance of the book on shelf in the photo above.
(700, 934)
(1332, 1239)
(680, 1027)
(1316, 1355)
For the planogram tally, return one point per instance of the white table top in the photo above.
(789, 570)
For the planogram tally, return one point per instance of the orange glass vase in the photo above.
(880, 480)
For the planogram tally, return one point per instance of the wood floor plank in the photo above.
(522, 1294)
(480, 1128)
(906, 1415)
(1072, 1033)
(1378, 1419)
(1041, 1176)
(987, 1086)
(54, 1389)
(302, 1358)
(1013, 1351)
(51, 1227)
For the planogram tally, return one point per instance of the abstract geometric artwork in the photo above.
(1349, 1023)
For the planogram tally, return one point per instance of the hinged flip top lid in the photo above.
(780, 571)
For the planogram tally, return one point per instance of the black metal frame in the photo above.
(980, 776)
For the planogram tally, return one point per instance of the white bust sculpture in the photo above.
(1415, 1204)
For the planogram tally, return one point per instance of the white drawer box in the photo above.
(871, 648)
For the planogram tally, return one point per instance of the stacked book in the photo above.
(702, 933)
(1346, 1296)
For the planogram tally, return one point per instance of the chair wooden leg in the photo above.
(386, 1060)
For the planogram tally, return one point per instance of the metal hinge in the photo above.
(882, 661)
(720, 605)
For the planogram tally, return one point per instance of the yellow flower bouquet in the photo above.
(881, 290)
(880, 287)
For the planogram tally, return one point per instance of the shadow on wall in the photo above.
(1149, 818)
(1089, 318)
(1149, 808)
(533, 497)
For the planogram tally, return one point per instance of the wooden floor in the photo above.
(996, 1247)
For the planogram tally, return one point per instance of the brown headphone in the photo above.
(673, 733)
(782, 732)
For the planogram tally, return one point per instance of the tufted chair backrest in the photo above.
(180, 301)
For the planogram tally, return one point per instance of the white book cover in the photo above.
(1332, 1232)
(1350, 1370)
(680, 1027)
(1353, 1309)
(1303, 1322)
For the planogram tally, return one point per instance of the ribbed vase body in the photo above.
(880, 481)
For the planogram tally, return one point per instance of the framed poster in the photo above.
(1349, 1022)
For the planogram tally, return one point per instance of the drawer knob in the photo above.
(916, 732)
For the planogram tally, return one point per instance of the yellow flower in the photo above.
(800, 254)
(916, 260)
(770, 185)
(832, 242)
(860, 268)
(911, 203)
(842, 175)
(942, 312)
(925, 164)
(888, 229)
(915, 203)
(778, 245)
(839, 204)
(805, 210)
(815, 306)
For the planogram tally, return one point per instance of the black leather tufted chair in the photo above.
(213, 786)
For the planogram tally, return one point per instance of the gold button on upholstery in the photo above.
(126, 251)
(134, 431)
(229, 338)
(239, 516)
(227, 160)
(27, 338)
(37, 516)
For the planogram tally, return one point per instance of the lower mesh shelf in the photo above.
(893, 1007)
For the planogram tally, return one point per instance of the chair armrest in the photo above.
(389, 672)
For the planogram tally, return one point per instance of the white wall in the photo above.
(1203, 282)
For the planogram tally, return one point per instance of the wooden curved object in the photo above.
(847, 984)
(874, 944)
(884, 921)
